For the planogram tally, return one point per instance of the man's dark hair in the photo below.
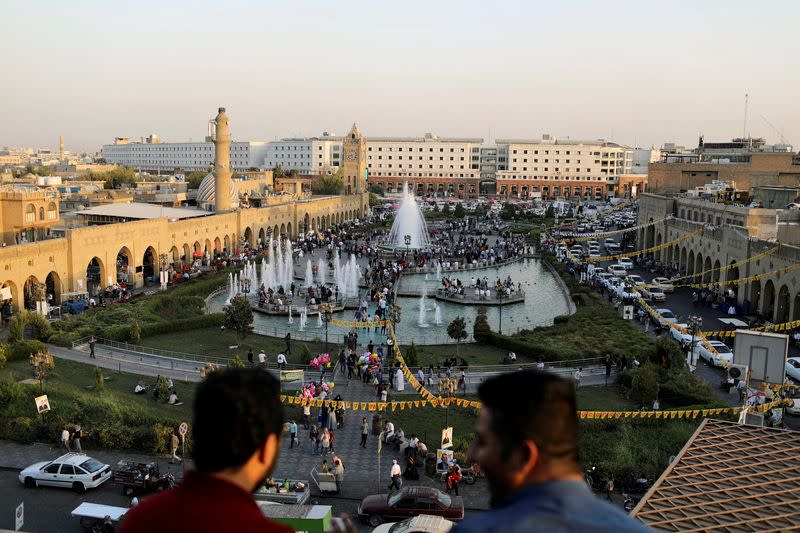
(533, 405)
(235, 410)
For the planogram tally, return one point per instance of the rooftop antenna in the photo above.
(744, 127)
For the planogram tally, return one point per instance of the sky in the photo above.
(638, 73)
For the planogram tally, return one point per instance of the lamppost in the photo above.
(407, 239)
(326, 314)
(695, 322)
(500, 294)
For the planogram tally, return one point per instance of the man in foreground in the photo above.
(527, 445)
(237, 426)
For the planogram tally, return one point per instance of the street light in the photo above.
(326, 313)
(695, 322)
(500, 294)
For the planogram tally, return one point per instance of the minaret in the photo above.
(60, 147)
(222, 163)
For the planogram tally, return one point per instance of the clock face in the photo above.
(351, 155)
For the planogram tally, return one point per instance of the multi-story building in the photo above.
(430, 164)
(551, 167)
(309, 156)
(151, 155)
(27, 214)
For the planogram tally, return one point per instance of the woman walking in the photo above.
(325, 442)
(313, 436)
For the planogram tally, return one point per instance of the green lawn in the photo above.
(475, 354)
(70, 377)
(600, 398)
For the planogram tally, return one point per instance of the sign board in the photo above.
(444, 458)
(19, 516)
(5, 293)
(42, 403)
(182, 429)
(291, 376)
(763, 353)
(447, 438)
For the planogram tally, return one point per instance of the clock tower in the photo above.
(354, 170)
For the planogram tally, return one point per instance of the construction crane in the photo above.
(780, 133)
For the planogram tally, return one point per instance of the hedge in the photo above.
(204, 321)
(22, 350)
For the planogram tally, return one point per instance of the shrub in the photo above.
(186, 324)
(644, 384)
(236, 362)
(161, 436)
(2, 356)
(16, 327)
(670, 352)
(481, 329)
(305, 354)
(22, 350)
(412, 358)
(99, 380)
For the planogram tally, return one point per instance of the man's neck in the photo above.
(236, 477)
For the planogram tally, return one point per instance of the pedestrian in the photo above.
(292, 433)
(332, 424)
(535, 475)
(281, 361)
(395, 477)
(238, 419)
(609, 489)
(173, 439)
(76, 439)
(462, 382)
(577, 376)
(608, 363)
(65, 438)
(453, 480)
(262, 358)
(325, 468)
(306, 417)
(288, 340)
(250, 357)
(331, 434)
(364, 432)
(325, 442)
(338, 474)
(92, 343)
(313, 436)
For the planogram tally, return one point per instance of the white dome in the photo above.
(206, 193)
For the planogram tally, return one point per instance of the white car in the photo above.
(724, 355)
(793, 368)
(76, 471)
(667, 316)
(652, 293)
(636, 279)
(665, 284)
(423, 523)
(794, 395)
(618, 271)
(679, 335)
(625, 263)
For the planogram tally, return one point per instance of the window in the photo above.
(52, 468)
(67, 470)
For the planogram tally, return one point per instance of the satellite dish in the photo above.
(735, 372)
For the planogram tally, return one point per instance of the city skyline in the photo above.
(519, 70)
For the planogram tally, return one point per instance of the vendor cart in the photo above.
(94, 514)
(145, 477)
(325, 481)
(288, 491)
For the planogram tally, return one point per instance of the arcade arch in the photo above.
(53, 288)
(782, 305)
(149, 265)
(768, 309)
(124, 265)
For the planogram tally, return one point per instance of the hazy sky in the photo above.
(642, 72)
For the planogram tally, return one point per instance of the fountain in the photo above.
(322, 271)
(303, 318)
(319, 320)
(422, 320)
(231, 289)
(309, 282)
(337, 272)
(291, 319)
(351, 275)
(438, 271)
(408, 221)
(437, 314)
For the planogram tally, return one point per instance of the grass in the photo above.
(600, 398)
(70, 377)
(475, 354)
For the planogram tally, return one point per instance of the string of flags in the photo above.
(741, 281)
(726, 268)
(636, 252)
(785, 326)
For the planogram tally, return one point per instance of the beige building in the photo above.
(27, 214)
(731, 235)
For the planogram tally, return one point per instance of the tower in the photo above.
(355, 162)
(222, 163)
(60, 147)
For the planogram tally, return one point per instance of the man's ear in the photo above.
(523, 462)
(268, 453)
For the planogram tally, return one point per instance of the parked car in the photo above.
(667, 316)
(609, 241)
(794, 395)
(77, 471)
(678, 333)
(665, 284)
(625, 263)
(423, 523)
(652, 293)
(793, 368)
(618, 271)
(715, 359)
(408, 502)
(636, 279)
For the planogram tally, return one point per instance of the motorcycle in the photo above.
(630, 502)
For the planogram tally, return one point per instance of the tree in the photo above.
(2, 356)
(328, 184)
(446, 208)
(43, 364)
(115, 178)
(480, 212)
(412, 358)
(508, 211)
(459, 211)
(550, 212)
(239, 317)
(457, 330)
(669, 353)
(236, 362)
(194, 178)
(278, 172)
(99, 380)
(373, 199)
(481, 329)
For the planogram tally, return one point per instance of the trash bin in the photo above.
(377, 424)
(430, 464)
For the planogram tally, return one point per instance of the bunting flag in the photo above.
(577, 237)
(742, 281)
(784, 326)
(636, 252)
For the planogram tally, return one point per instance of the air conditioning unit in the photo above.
(737, 373)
